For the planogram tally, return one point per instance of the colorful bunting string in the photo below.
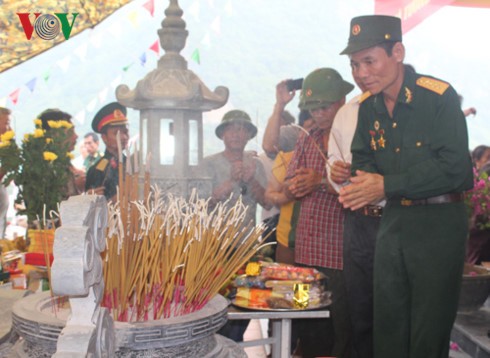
(143, 59)
(14, 96)
(31, 84)
(150, 6)
(155, 47)
(196, 57)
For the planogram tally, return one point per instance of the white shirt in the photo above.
(341, 135)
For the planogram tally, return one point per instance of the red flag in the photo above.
(150, 6)
(155, 47)
(410, 12)
(14, 96)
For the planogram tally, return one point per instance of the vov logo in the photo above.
(47, 26)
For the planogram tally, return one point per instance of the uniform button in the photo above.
(394, 124)
(418, 144)
(397, 150)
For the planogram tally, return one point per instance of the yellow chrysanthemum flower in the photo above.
(4, 144)
(55, 124)
(38, 133)
(65, 124)
(49, 140)
(38, 122)
(49, 156)
(7, 136)
(26, 137)
(70, 155)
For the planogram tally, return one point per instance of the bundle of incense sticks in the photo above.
(167, 256)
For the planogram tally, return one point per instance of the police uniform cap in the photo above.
(239, 117)
(371, 30)
(112, 114)
(323, 87)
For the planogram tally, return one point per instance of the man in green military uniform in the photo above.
(410, 147)
(103, 176)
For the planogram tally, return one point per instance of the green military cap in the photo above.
(323, 87)
(112, 114)
(236, 116)
(371, 30)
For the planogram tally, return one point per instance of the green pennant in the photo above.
(126, 68)
(46, 76)
(195, 56)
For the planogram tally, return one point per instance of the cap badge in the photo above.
(387, 36)
(356, 29)
(118, 114)
(309, 92)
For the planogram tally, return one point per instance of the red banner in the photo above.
(412, 12)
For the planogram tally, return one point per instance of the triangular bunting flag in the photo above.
(14, 96)
(117, 81)
(194, 10)
(64, 63)
(206, 40)
(96, 38)
(150, 6)
(103, 95)
(91, 105)
(155, 47)
(143, 59)
(195, 56)
(31, 84)
(133, 18)
(3, 102)
(115, 29)
(80, 117)
(46, 76)
(229, 8)
(126, 68)
(81, 51)
(216, 25)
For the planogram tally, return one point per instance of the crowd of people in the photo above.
(368, 192)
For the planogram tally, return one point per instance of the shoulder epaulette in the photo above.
(102, 164)
(433, 85)
(364, 96)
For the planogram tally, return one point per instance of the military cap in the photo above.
(323, 87)
(112, 114)
(236, 116)
(371, 30)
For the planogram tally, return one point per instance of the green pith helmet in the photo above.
(236, 116)
(371, 30)
(323, 87)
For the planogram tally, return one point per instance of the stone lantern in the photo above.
(171, 100)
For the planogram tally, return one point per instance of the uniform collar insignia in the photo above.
(408, 95)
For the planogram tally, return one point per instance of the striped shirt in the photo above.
(320, 226)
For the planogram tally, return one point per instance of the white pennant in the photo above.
(103, 95)
(64, 63)
(81, 51)
(80, 117)
(194, 10)
(91, 105)
(216, 25)
(116, 81)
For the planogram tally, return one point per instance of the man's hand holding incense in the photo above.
(366, 188)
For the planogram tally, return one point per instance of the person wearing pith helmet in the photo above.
(319, 232)
(410, 148)
(103, 176)
(236, 173)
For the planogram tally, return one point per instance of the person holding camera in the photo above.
(319, 233)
